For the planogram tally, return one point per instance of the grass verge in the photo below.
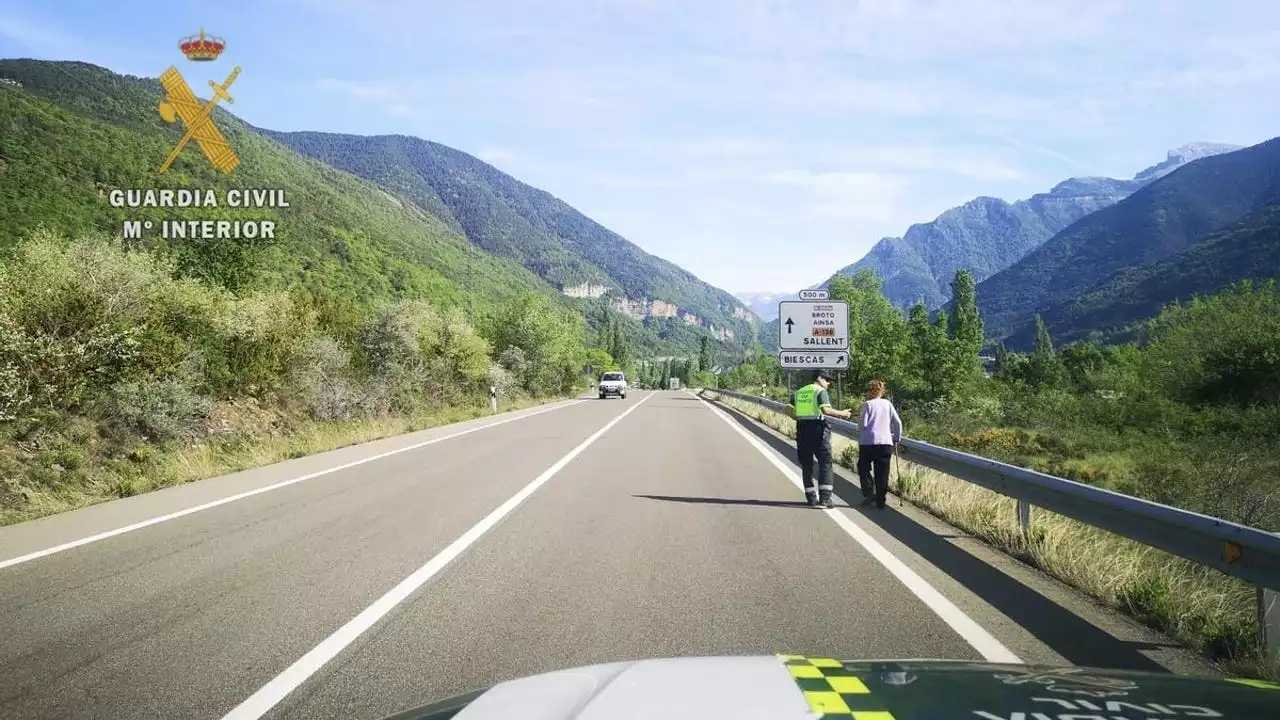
(64, 475)
(1207, 611)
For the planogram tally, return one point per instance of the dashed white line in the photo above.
(268, 488)
(973, 633)
(258, 704)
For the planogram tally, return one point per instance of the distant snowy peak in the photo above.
(1183, 155)
(764, 304)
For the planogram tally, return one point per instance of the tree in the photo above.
(704, 354)
(1081, 360)
(600, 360)
(965, 330)
(878, 345)
(549, 337)
(1046, 369)
(924, 350)
(1219, 349)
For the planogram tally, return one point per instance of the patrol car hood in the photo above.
(800, 688)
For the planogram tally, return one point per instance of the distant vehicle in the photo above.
(612, 383)
(673, 384)
(800, 688)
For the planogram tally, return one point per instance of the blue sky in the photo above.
(761, 145)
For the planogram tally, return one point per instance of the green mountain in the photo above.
(987, 234)
(74, 132)
(506, 217)
(1115, 309)
(1116, 265)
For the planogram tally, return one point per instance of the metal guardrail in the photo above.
(1247, 553)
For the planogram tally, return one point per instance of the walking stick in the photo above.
(898, 470)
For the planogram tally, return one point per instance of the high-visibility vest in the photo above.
(807, 403)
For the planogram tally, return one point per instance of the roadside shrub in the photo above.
(59, 372)
(1235, 482)
(323, 384)
(163, 409)
(420, 352)
(68, 321)
(257, 336)
(501, 378)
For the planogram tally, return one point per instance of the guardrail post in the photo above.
(1269, 622)
(1024, 517)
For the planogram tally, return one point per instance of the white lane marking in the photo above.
(973, 633)
(258, 491)
(293, 676)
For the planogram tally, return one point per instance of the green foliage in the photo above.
(966, 324)
(111, 349)
(1044, 368)
(547, 340)
(1221, 349)
(163, 409)
(344, 246)
(876, 337)
(414, 347)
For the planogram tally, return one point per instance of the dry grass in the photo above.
(252, 444)
(1202, 608)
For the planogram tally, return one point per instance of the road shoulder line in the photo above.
(28, 557)
(984, 642)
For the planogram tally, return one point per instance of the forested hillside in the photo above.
(987, 234)
(75, 131)
(1114, 310)
(1150, 227)
(514, 220)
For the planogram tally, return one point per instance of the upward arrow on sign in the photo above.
(789, 323)
(840, 360)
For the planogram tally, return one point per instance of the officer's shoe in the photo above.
(866, 501)
(813, 500)
(826, 502)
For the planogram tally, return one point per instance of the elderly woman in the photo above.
(881, 432)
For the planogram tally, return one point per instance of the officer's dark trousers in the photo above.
(813, 440)
(874, 458)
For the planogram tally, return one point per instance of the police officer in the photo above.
(810, 406)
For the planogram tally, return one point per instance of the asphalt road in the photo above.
(358, 583)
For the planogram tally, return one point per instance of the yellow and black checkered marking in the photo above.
(831, 690)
